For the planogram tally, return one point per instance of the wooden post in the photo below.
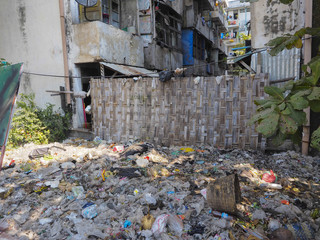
(307, 58)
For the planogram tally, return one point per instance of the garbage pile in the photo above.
(82, 189)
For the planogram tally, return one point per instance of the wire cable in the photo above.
(257, 50)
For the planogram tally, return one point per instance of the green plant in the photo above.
(26, 127)
(3, 62)
(242, 38)
(40, 126)
(281, 115)
(58, 124)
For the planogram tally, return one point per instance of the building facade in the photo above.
(271, 19)
(202, 49)
(63, 44)
(238, 24)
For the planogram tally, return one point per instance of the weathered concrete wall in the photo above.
(204, 29)
(270, 20)
(198, 69)
(157, 57)
(30, 33)
(192, 19)
(176, 5)
(129, 14)
(72, 17)
(97, 41)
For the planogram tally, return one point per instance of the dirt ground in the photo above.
(133, 190)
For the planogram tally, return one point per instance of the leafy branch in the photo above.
(281, 115)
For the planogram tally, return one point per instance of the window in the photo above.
(105, 11)
(235, 15)
(168, 28)
(244, 10)
(110, 12)
(201, 47)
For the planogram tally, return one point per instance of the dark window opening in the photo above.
(88, 70)
(235, 15)
(201, 47)
(168, 28)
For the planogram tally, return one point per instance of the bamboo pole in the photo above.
(307, 58)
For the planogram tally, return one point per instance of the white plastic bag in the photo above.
(175, 225)
(159, 225)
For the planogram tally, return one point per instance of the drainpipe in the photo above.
(307, 58)
(64, 50)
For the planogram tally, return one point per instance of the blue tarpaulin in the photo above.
(187, 47)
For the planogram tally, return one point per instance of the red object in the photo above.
(269, 177)
(285, 202)
(118, 149)
(147, 157)
(12, 162)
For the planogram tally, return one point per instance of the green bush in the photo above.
(57, 124)
(40, 126)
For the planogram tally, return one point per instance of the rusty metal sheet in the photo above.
(130, 70)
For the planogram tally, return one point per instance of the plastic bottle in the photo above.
(222, 215)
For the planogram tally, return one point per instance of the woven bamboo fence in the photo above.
(183, 111)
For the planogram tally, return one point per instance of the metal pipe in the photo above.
(64, 50)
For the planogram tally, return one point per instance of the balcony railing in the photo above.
(218, 17)
(233, 23)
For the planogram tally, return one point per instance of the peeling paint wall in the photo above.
(271, 20)
(129, 15)
(30, 33)
(98, 41)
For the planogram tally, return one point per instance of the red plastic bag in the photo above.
(269, 177)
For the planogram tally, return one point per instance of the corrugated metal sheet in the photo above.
(130, 70)
(285, 65)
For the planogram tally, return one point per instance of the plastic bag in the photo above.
(89, 211)
(150, 199)
(159, 225)
(175, 225)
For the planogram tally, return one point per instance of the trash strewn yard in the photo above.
(103, 190)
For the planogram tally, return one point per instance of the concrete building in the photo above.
(31, 33)
(203, 21)
(271, 19)
(63, 44)
(268, 21)
(238, 19)
(161, 29)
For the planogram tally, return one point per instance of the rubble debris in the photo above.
(40, 152)
(135, 149)
(90, 191)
